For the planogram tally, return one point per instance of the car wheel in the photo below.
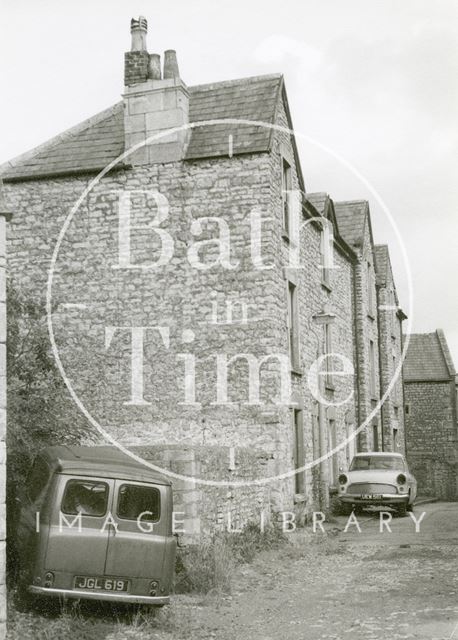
(401, 510)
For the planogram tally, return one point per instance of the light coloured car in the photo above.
(378, 478)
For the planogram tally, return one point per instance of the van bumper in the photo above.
(99, 595)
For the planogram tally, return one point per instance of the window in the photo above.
(395, 386)
(286, 191)
(134, 500)
(350, 448)
(299, 459)
(370, 290)
(395, 439)
(328, 350)
(372, 377)
(326, 242)
(293, 325)
(375, 436)
(38, 479)
(332, 443)
(85, 497)
(363, 463)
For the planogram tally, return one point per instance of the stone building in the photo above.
(390, 318)
(353, 218)
(207, 312)
(4, 217)
(431, 415)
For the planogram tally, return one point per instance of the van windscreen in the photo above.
(87, 497)
(135, 500)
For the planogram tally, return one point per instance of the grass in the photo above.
(208, 567)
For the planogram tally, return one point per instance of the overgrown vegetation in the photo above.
(37, 397)
(209, 567)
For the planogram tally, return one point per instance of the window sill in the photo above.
(330, 386)
(296, 371)
(326, 286)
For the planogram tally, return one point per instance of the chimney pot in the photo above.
(171, 64)
(154, 67)
(138, 30)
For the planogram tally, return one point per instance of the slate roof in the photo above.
(351, 219)
(319, 200)
(94, 143)
(428, 358)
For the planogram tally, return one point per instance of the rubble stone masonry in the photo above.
(3, 219)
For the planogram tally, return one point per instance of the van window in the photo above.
(134, 500)
(37, 479)
(87, 497)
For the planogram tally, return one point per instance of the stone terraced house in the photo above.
(431, 428)
(184, 271)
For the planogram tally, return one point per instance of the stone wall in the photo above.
(3, 219)
(390, 346)
(432, 437)
(201, 508)
(366, 333)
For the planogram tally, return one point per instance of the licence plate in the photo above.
(94, 583)
(371, 496)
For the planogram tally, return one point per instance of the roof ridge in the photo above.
(61, 137)
(247, 80)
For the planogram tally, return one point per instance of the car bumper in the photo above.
(100, 595)
(387, 498)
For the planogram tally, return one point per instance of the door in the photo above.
(78, 535)
(136, 545)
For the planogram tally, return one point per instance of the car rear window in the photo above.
(379, 463)
(134, 500)
(87, 497)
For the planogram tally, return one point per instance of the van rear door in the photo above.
(136, 546)
(78, 537)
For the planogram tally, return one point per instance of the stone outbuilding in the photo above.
(431, 415)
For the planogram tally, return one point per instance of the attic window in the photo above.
(286, 195)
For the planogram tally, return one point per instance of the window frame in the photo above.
(286, 188)
(293, 324)
(372, 370)
(141, 486)
(299, 450)
(82, 481)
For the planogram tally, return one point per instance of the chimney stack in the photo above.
(171, 64)
(152, 103)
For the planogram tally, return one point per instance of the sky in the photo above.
(371, 86)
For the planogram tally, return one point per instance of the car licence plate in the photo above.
(371, 496)
(94, 583)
